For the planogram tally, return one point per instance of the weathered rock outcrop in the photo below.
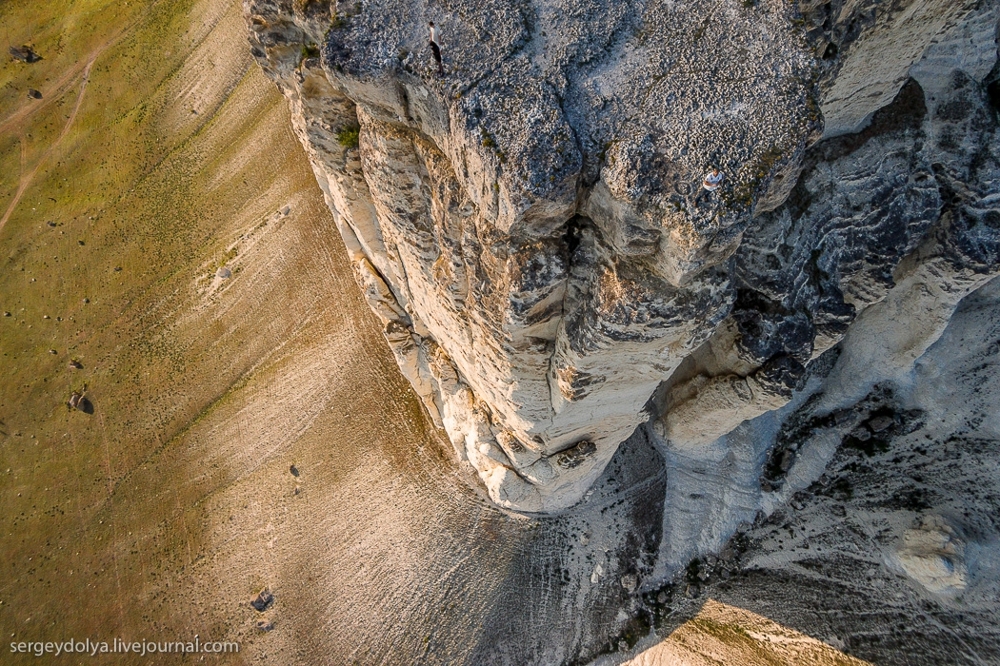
(532, 231)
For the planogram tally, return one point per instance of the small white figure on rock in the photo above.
(710, 183)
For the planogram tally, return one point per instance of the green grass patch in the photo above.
(348, 136)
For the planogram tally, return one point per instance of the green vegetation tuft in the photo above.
(310, 50)
(348, 136)
(229, 255)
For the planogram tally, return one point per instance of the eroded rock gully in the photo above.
(529, 226)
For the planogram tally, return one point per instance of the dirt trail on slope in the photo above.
(24, 114)
(50, 94)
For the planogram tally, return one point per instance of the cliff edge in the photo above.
(532, 230)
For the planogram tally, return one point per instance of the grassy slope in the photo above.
(175, 162)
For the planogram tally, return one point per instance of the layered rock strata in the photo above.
(532, 231)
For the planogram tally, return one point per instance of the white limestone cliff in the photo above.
(531, 229)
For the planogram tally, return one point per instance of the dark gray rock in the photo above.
(263, 601)
(24, 54)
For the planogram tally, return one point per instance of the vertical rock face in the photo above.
(532, 230)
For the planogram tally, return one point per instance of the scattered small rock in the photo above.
(265, 625)
(662, 597)
(46, 317)
(294, 470)
(933, 554)
(842, 416)
(75, 364)
(53, 351)
(692, 591)
(6, 313)
(51, 223)
(25, 54)
(861, 433)
(286, 210)
(262, 601)
(34, 94)
(880, 423)
(117, 268)
(630, 582)
(78, 400)
(224, 273)
(80, 242)
(86, 300)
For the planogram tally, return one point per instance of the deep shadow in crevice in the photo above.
(992, 85)
(573, 232)
(993, 94)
